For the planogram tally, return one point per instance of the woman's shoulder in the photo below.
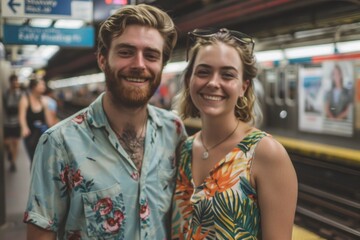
(269, 150)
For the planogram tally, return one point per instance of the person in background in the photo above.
(108, 172)
(234, 180)
(11, 122)
(34, 115)
(338, 98)
(52, 105)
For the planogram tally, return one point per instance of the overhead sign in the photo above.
(54, 9)
(23, 35)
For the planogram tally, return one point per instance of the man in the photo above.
(11, 124)
(108, 171)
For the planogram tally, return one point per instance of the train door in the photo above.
(280, 97)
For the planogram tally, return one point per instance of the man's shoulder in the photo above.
(68, 123)
(164, 113)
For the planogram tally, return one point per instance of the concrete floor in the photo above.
(16, 191)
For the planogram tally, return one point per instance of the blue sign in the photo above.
(48, 7)
(26, 35)
(54, 9)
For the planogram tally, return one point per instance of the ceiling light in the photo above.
(175, 67)
(272, 55)
(69, 24)
(25, 72)
(46, 52)
(309, 51)
(74, 81)
(39, 22)
(345, 47)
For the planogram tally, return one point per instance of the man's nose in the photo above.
(139, 61)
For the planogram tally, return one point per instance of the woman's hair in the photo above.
(337, 68)
(144, 15)
(247, 113)
(33, 83)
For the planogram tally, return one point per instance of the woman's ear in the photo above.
(244, 87)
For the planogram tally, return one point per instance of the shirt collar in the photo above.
(97, 117)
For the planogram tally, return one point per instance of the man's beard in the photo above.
(129, 96)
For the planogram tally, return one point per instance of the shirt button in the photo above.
(135, 176)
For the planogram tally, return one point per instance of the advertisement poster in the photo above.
(338, 111)
(326, 98)
(310, 99)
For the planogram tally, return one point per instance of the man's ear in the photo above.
(101, 61)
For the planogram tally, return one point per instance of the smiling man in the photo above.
(108, 171)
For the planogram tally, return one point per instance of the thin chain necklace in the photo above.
(205, 154)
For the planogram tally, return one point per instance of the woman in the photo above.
(34, 115)
(338, 98)
(234, 181)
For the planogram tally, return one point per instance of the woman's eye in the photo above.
(202, 73)
(228, 76)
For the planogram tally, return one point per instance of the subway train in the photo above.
(315, 96)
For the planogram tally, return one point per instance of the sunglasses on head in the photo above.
(240, 37)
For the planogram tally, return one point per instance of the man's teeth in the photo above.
(213, 98)
(140, 80)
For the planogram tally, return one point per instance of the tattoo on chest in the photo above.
(133, 145)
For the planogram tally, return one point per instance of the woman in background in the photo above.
(338, 98)
(34, 115)
(234, 181)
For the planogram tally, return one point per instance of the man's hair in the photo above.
(13, 77)
(144, 15)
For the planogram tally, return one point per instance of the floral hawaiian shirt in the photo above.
(85, 186)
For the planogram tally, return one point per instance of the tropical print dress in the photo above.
(225, 205)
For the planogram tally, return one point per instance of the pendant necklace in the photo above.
(205, 154)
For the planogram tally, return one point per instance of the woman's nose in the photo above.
(214, 81)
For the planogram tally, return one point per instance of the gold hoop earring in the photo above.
(243, 101)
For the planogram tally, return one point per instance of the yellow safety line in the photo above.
(320, 149)
(300, 233)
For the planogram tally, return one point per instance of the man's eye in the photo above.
(152, 56)
(124, 53)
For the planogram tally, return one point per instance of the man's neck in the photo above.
(120, 116)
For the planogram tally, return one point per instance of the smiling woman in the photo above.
(230, 171)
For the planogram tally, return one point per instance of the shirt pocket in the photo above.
(166, 178)
(105, 213)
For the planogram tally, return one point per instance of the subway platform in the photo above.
(16, 191)
(17, 185)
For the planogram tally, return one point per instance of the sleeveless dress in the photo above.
(225, 205)
(37, 125)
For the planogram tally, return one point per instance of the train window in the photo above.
(270, 85)
(291, 85)
(281, 84)
(280, 87)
